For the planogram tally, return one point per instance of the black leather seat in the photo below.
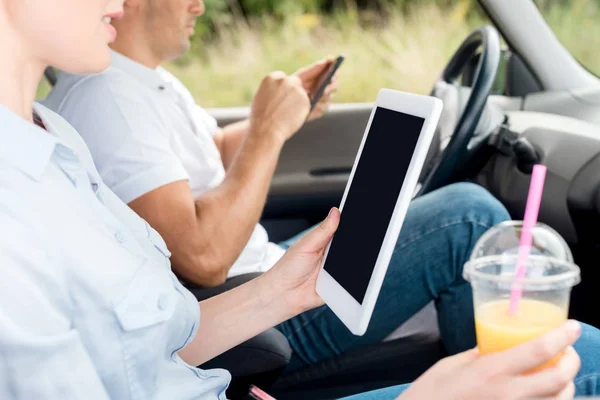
(262, 360)
(371, 367)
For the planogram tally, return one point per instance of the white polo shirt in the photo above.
(144, 131)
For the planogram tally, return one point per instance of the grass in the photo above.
(402, 51)
(577, 27)
(408, 53)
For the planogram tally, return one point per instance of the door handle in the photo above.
(331, 171)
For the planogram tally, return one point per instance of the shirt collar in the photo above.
(148, 76)
(25, 146)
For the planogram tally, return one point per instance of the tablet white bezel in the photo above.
(354, 315)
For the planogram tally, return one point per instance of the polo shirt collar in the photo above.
(148, 76)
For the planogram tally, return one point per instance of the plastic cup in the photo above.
(505, 238)
(543, 306)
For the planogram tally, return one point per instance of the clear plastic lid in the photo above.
(542, 273)
(504, 238)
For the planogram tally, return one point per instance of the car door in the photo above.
(313, 168)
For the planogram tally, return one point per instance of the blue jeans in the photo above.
(438, 234)
(587, 382)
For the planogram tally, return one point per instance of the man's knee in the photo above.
(472, 201)
(588, 345)
(587, 382)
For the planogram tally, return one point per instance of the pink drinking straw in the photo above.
(532, 210)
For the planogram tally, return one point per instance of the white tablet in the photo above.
(381, 185)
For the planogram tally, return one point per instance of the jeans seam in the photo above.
(586, 377)
(421, 235)
(309, 320)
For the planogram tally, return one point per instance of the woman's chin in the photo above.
(91, 63)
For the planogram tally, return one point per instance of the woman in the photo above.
(88, 305)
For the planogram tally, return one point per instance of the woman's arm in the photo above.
(288, 289)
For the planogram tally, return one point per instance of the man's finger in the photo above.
(314, 70)
(527, 356)
(331, 89)
(277, 75)
(295, 80)
(324, 99)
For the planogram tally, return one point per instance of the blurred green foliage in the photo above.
(228, 12)
(400, 44)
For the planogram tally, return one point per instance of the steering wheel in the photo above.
(445, 163)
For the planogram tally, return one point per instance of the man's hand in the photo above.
(280, 106)
(505, 375)
(309, 76)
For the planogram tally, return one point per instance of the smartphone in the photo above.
(319, 88)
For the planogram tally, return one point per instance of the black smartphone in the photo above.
(319, 88)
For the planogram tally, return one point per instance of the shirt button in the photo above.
(119, 236)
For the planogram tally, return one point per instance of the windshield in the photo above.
(576, 23)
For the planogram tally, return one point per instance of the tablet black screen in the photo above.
(372, 198)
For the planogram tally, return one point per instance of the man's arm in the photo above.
(206, 235)
(230, 139)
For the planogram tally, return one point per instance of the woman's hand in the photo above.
(283, 292)
(503, 375)
(295, 275)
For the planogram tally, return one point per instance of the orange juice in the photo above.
(499, 330)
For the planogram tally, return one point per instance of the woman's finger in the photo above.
(550, 381)
(529, 355)
(319, 237)
(567, 394)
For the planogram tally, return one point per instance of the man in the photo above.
(204, 188)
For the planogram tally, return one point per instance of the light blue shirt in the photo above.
(145, 130)
(89, 307)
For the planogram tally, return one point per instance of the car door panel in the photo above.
(570, 149)
(565, 145)
(313, 168)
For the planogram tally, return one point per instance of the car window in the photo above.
(393, 46)
(398, 44)
(576, 24)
